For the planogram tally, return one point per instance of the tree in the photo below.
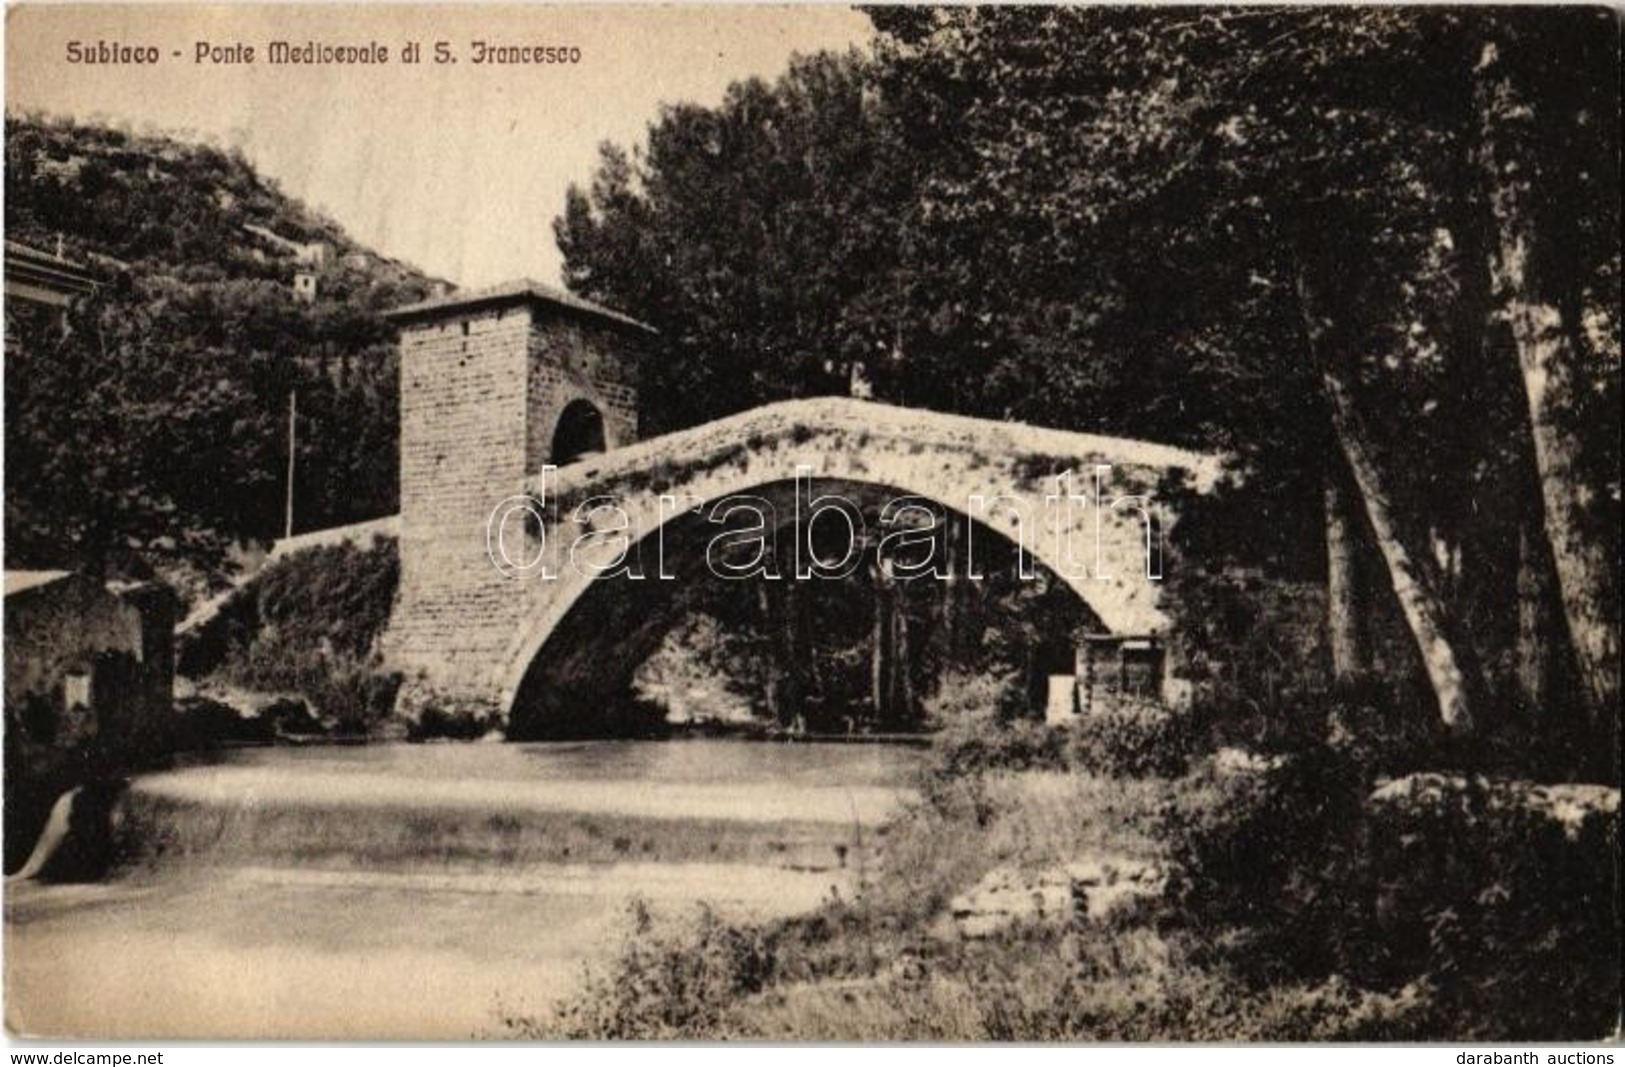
(753, 236)
(1262, 231)
(1537, 295)
(1313, 158)
(152, 432)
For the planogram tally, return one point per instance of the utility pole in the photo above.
(293, 409)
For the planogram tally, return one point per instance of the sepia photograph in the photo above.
(813, 523)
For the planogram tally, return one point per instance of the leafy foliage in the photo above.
(750, 235)
(667, 986)
(152, 428)
(309, 624)
(1492, 902)
(1134, 221)
(1132, 739)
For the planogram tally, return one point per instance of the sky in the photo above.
(457, 168)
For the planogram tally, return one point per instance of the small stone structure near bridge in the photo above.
(89, 677)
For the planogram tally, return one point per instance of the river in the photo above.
(425, 891)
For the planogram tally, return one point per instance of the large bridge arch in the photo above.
(561, 663)
(463, 629)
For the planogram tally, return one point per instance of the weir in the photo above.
(394, 891)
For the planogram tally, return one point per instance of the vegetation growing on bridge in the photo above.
(308, 625)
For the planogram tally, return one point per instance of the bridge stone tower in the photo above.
(494, 383)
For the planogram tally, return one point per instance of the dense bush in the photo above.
(1477, 892)
(1131, 739)
(1257, 844)
(666, 985)
(1504, 895)
(326, 601)
(309, 624)
(986, 727)
(353, 697)
(450, 719)
(980, 745)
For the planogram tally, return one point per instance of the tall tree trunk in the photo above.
(1412, 572)
(1484, 386)
(1536, 658)
(1346, 624)
(902, 688)
(1552, 381)
(793, 667)
(1414, 576)
(878, 640)
(770, 626)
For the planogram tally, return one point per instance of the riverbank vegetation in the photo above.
(1292, 899)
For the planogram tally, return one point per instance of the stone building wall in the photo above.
(462, 441)
(89, 678)
(573, 360)
(86, 661)
(484, 379)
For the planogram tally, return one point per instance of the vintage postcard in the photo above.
(812, 523)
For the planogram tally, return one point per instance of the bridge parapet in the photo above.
(871, 421)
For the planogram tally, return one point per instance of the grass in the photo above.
(872, 965)
(1278, 953)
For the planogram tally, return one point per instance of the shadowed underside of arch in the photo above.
(579, 433)
(568, 679)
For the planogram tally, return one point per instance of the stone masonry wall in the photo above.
(572, 360)
(463, 431)
(482, 389)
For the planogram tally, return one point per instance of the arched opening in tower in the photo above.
(580, 432)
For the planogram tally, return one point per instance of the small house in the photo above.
(88, 662)
(1116, 668)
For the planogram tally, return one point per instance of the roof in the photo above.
(524, 290)
(32, 274)
(37, 255)
(21, 581)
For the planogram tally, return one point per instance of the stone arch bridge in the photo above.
(503, 602)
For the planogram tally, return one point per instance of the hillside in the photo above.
(165, 207)
(153, 433)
